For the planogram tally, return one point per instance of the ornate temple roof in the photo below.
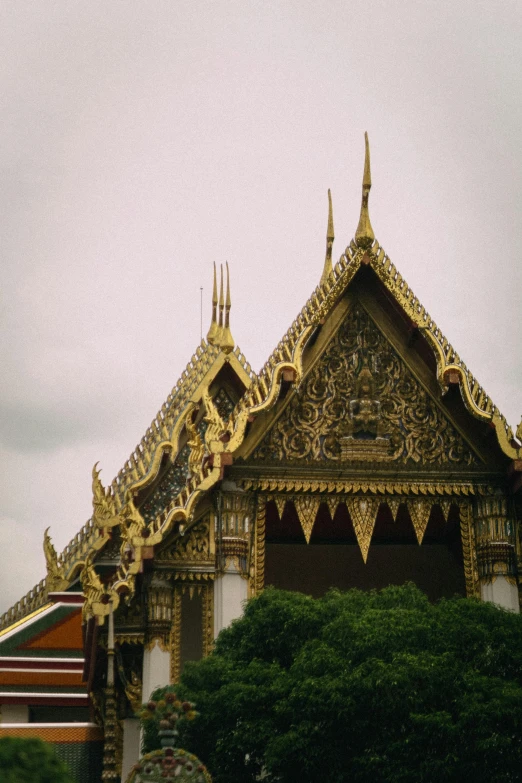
(190, 403)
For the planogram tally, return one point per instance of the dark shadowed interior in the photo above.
(333, 558)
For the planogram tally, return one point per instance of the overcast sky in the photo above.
(141, 141)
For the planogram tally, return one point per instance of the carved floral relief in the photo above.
(322, 412)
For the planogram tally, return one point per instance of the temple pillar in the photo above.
(496, 557)
(156, 653)
(232, 558)
(131, 745)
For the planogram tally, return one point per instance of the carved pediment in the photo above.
(360, 402)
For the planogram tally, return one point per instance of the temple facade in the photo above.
(364, 453)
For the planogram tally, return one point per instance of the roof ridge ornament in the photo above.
(219, 333)
(364, 235)
(330, 236)
(213, 331)
(219, 336)
(227, 341)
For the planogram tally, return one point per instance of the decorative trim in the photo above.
(419, 511)
(363, 513)
(208, 618)
(307, 507)
(129, 638)
(175, 637)
(259, 546)
(372, 487)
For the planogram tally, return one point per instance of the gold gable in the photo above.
(360, 402)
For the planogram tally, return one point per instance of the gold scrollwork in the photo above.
(311, 427)
(194, 547)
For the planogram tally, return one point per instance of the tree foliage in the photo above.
(31, 759)
(379, 687)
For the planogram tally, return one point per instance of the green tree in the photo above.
(379, 687)
(30, 761)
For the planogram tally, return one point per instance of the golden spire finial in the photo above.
(213, 331)
(221, 298)
(227, 341)
(364, 235)
(219, 328)
(330, 236)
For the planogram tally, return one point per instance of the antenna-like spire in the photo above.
(221, 298)
(213, 331)
(219, 331)
(227, 341)
(364, 235)
(330, 236)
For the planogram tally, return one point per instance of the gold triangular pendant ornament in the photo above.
(280, 501)
(363, 512)
(307, 508)
(332, 502)
(420, 513)
(393, 504)
(445, 506)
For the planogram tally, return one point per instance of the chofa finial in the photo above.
(213, 331)
(330, 236)
(364, 235)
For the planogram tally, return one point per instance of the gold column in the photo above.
(495, 533)
(234, 531)
(159, 612)
(467, 535)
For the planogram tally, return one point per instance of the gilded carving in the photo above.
(103, 503)
(175, 637)
(280, 502)
(196, 545)
(216, 427)
(132, 684)
(307, 507)
(368, 487)
(132, 525)
(385, 411)
(495, 529)
(259, 576)
(93, 590)
(445, 506)
(393, 504)
(363, 513)
(469, 549)
(159, 612)
(332, 504)
(197, 448)
(55, 573)
(419, 511)
(208, 619)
